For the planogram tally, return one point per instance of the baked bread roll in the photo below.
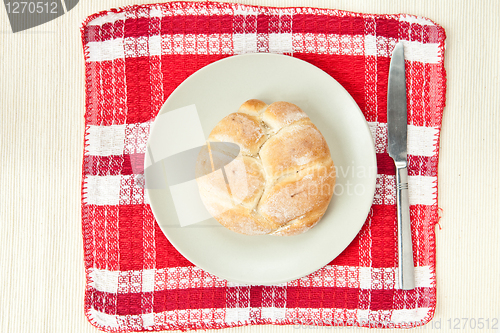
(281, 179)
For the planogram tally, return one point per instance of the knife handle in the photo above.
(405, 248)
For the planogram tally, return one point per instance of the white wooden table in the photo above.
(41, 109)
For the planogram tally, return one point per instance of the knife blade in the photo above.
(397, 149)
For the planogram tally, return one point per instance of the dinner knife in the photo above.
(397, 136)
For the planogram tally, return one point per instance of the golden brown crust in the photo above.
(301, 194)
(243, 129)
(246, 180)
(293, 148)
(281, 114)
(244, 221)
(282, 181)
(253, 107)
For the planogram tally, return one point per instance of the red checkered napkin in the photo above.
(136, 56)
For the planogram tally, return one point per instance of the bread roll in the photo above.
(279, 183)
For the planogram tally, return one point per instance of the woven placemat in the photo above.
(137, 55)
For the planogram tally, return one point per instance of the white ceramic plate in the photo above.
(219, 89)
